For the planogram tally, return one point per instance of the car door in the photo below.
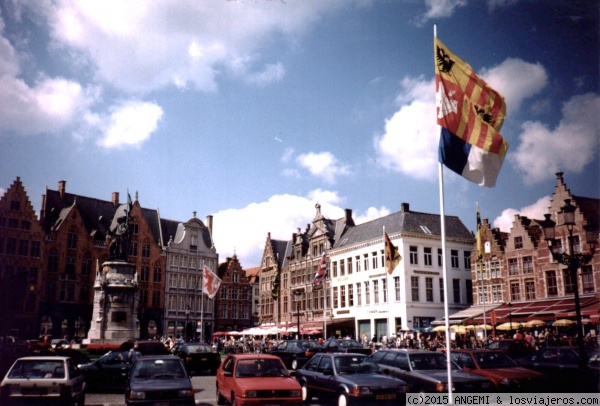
(226, 376)
(324, 380)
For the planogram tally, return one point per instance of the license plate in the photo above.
(34, 391)
(386, 396)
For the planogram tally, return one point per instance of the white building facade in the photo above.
(412, 296)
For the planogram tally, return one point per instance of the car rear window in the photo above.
(159, 368)
(38, 369)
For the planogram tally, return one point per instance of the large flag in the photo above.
(471, 114)
(392, 255)
(211, 282)
(321, 271)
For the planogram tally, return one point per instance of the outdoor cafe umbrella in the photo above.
(535, 323)
(508, 326)
(562, 323)
(459, 329)
(438, 329)
(483, 326)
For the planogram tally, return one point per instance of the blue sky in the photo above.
(253, 111)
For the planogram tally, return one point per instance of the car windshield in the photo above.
(355, 365)
(309, 344)
(260, 367)
(199, 348)
(489, 360)
(38, 369)
(159, 369)
(428, 361)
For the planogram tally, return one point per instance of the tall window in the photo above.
(334, 269)
(384, 290)
(366, 261)
(414, 288)
(358, 295)
(156, 298)
(587, 279)
(568, 282)
(53, 262)
(441, 290)
(440, 255)
(551, 286)
(429, 289)
(374, 256)
(349, 260)
(454, 259)
(350, 294)
(145, 275)
(145, 250)
(342, 296)
(469, 287)
(495, 270)
(528, 264)
(456, 290)
(513, 266)
(515, 292)
(367, 294)
(529, 289)
(342, 267)
(157, 274)
(335, 297)
(467, 258)
(71, 241)
(375, 292)
(357, 259)
(414, 255)
(428, 257)
(397, 288)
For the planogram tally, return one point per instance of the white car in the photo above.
(43, 379)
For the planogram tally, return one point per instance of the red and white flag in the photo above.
(211, 282)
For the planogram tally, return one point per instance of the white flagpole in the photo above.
(387, 287)
(325, 304)
(202, 335)
(444, 266)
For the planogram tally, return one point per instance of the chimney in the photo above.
(405, 208)
(62, 186)
(115, 198)
(209, 224)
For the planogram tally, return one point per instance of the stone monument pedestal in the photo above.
(114, 317)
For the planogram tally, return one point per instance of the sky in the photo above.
(253, 111)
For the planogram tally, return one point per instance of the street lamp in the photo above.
(298, 296)
(572, 260)
(187, 317)
(510, 316)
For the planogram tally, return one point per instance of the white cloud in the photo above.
(568, 147)
(323, 165)
(180, 43)
(409, 144)
(440, 9)
(535, 211)
(131, 124)
(518, 80)
(281, 216)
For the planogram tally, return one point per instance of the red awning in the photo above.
(548, 309)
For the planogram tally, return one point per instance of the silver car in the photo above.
(43, 379)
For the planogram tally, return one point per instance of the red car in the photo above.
(499, 368)
(256, 379)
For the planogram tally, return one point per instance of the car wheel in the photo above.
(294, 364)
(220, 398)
(306, 397)
(342, 399)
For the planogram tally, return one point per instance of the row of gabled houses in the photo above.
(514, 279)
(48, 266)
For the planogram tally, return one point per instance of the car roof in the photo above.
(408, 350)
(44, 358)
(253, 356)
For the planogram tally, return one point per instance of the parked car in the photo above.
(564, 367)
(295, 353)
(110, 371)
(43, 379)
(350, 378)
(502, 370)
(516, 349)
(255, 379)
(344, 345)
(159, 380)
(197, 357)
(593, 366)
(60, 343)
(427, 371)
(145, 347)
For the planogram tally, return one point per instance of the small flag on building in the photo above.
(321, 271)
(392, 255)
